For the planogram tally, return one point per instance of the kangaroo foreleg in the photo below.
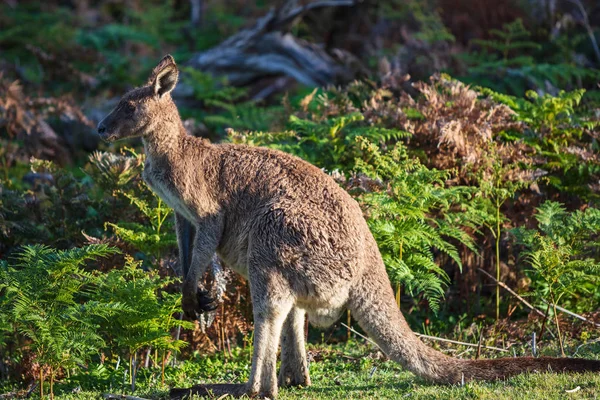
(205, 242)
(294, 367)
(185, 238)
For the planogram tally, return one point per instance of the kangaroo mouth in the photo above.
(109, 138)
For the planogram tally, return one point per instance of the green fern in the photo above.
(227, 106)
(147, 318)
(329, 143)
(244, 116)
(149, 227)
(45, 295)
(498, 182)
(563, 255)
(508, 55)
(424, 14)
(413, 216)
(114, 171)
(561, 133)
(151, 238)
(512, 39)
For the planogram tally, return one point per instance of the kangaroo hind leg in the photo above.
(294, 367)
(272, 301)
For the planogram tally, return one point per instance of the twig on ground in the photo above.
(459, 355)
(585, 344)
(426, 337)
(564, 310)
(544, 322)
(461, 343)
(501, 284)
(572, 314)
(32, 387)
(359, 334)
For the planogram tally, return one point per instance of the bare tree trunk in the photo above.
(197, 12)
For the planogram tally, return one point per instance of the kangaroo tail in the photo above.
(372, 304)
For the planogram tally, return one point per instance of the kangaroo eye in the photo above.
(129, 107)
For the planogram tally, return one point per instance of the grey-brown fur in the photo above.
(299, 239)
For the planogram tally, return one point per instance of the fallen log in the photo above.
(269, 50)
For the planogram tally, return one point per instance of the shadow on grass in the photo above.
(402, 385)
(237, 390)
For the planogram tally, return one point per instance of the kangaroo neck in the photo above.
(162, 142)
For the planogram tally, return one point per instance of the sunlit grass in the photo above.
(347, 371)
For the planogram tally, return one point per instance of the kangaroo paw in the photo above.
(190, 306)
(205, 302)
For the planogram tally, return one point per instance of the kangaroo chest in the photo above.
(162, 181)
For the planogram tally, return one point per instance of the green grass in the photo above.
(390, 382)
(345, 371)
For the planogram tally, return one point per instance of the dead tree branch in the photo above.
(268, 50)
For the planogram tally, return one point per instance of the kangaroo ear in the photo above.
(164, 76)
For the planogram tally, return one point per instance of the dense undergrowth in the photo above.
(497, 170)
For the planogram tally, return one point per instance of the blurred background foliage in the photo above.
(467, 130)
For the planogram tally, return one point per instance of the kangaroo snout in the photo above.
(103, 132)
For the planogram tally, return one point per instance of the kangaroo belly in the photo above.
(235, 263)
(324, 317)
(323, 305)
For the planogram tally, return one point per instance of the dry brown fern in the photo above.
(25, 119)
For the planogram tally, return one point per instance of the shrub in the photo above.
(563, 254)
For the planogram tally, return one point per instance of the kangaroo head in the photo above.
(144, 109)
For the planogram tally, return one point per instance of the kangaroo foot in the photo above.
(293, 378)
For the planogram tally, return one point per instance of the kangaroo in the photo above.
(299, 239)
